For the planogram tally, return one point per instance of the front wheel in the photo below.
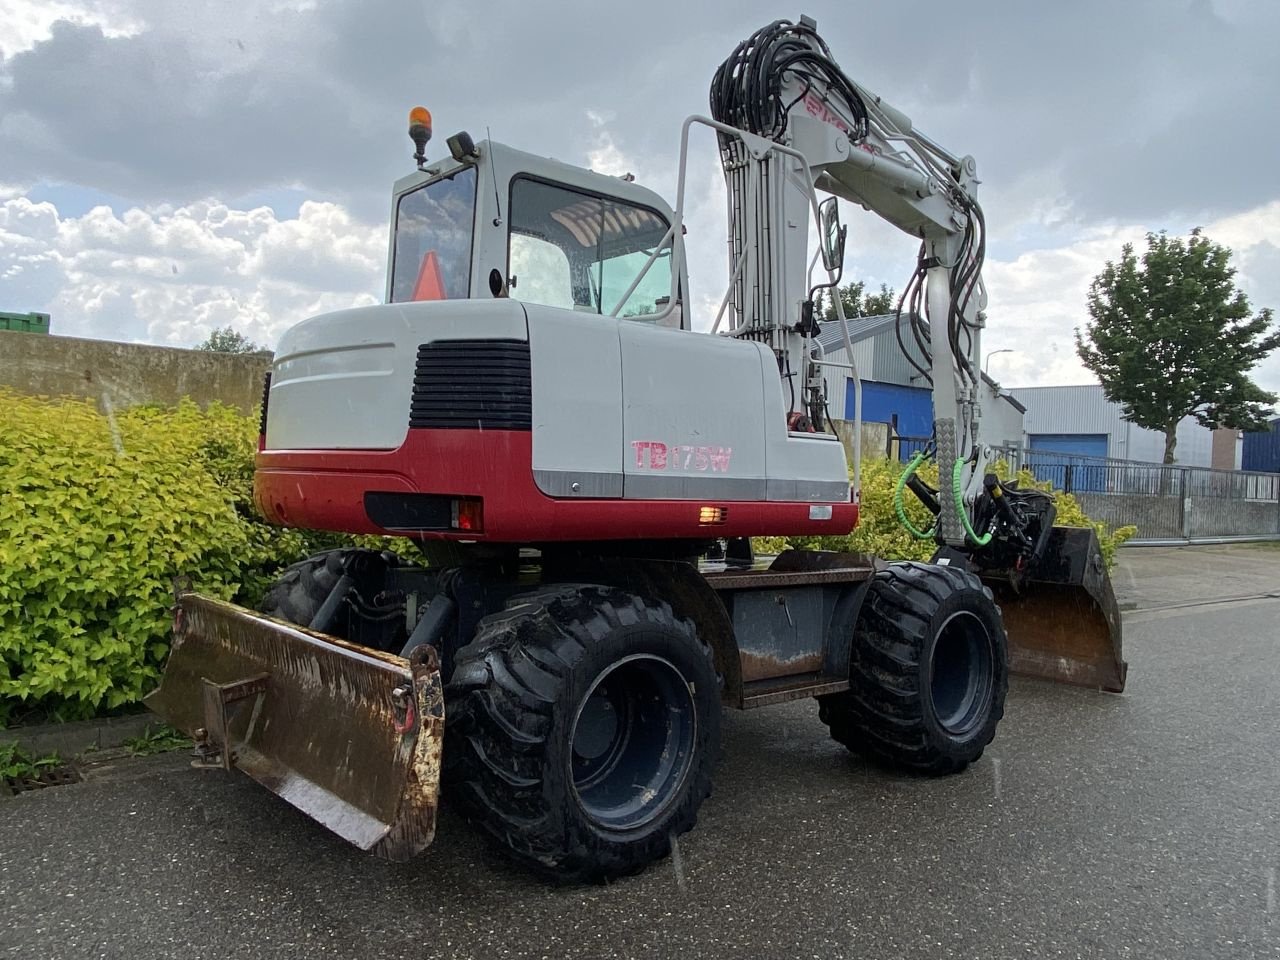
(929, 672)
(584, 727)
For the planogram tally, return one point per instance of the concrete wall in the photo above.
(875, 439)
(1172, 518)
(1157, 518)
(128, 374)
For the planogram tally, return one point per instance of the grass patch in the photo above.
(161, 738)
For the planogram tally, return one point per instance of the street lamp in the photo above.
(987, 363)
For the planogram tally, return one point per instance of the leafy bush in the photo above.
(98, 516)
(879, 532)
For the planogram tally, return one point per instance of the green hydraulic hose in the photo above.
(957, 489)
(898, 505)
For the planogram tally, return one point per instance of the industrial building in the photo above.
(1076, 420)
(894, 392)
(1081, 420)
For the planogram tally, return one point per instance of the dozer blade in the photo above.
(1063, 621)
(350, 736)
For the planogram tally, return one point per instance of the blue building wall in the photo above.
(910, 407)
(1262, 450)
(1069, 460)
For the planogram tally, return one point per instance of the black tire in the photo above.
(929, 671)
(304, 586)
(584, 725)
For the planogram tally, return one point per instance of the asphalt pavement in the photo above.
(1139, 825)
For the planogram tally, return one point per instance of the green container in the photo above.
(25, 322)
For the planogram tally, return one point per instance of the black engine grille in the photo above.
(472, 385)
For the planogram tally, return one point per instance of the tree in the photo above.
(1171, 337)
(857, 302)
(227, 340)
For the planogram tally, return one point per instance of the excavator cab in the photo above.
(500, 223)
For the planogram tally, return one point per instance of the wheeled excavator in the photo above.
(529, 410)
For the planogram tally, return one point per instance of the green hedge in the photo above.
(99, 514)
(879, 532)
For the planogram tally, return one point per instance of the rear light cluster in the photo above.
(468, 515)
(421, 512)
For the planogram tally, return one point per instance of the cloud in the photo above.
(30, 22)
(1038, 297)
(1083, 111)
(171, 275)
(1090, 121)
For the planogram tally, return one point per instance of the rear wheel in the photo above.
(929, 671)
(584, 723)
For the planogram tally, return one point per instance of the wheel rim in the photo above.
(632, 742)
(960, 682)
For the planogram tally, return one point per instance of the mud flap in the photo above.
(1063, 621)
(350, 736)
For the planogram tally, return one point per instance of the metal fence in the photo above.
(1168, 504)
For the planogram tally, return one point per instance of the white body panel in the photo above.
(577, 403)
(630, 409)
(692, 425)
(344, 380)
(801, 466)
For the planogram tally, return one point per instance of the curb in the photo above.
(70, 739)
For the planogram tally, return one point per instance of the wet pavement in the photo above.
(1140, 825)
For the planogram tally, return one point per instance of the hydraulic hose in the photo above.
(900, 508)
(957, 487)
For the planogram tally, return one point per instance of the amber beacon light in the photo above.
(420, 133)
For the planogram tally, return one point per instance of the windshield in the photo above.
(577, 250)
(432, 258)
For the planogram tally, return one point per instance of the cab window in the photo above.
(432, 258)
(577, 250)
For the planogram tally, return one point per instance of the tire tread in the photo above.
(506, 687)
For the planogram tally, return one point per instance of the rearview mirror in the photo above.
(832, 235)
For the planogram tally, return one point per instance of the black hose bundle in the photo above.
(746, 91)
(966, 274)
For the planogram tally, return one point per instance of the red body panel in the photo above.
(324, 490)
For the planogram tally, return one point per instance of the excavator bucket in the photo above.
(1062, 620)
(350, 736)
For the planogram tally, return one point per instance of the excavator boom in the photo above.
(791, 124)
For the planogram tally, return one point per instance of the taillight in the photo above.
(468, 515)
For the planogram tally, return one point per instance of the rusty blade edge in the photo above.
(398, 825)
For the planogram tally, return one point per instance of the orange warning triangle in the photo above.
(430, 285)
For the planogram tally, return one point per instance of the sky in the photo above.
(168, 167)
